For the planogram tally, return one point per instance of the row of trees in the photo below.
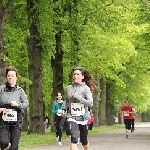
(46, 39)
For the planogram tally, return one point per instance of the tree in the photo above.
(35, 70)
(4, 10)
(108, 38)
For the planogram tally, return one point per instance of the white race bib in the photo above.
(60, 112)
(126, 113)
(77, 109)
(9, 115)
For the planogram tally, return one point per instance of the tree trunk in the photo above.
(74, 32)
(102, 102)
(25, 122)
(3, 64)
(96, 108)
(57, 67)
(110, 112)
(3, 14)
(56, 62)
(96, 102)
(35, 70)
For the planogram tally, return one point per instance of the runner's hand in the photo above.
(64, 114)
(14, 103)
(1, 109)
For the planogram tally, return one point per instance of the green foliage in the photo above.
(16, 33)
(107, 37)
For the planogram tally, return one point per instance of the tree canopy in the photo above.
(110, 37)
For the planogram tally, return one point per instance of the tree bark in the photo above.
(57, 67)
(57, 61)
(102, 102)
(3, 14)
(96, 100)
(95, 109)
(110, 112)
(25, 122)
(35, 70)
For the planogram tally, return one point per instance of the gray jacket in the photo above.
(82, 94)
(17, 94)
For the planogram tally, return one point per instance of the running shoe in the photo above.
(57, 138)
(78, 141)
(9, 145)
(59, 143)
(132, 130)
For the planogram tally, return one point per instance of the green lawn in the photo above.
(49, 137)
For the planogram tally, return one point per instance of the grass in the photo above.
(49, 137)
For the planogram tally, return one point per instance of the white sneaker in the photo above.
(9, 145)
(57, 138)
(59, 143)
(78, 141)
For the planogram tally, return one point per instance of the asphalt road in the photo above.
(110, 140)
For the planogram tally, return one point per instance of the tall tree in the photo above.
(57, 58)
(4, 10)
(35, 69)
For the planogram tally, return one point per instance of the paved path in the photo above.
(110, 140)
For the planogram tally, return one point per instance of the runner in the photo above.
(133, 119)
(126, 112)
(12, 100)
(79, 98)
(58, 110)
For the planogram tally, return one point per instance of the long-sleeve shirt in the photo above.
(57, 107)
(82, 95)
(16, 94)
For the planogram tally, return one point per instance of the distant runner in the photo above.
(126, 112)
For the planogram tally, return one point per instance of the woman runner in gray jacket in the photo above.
(12, 100)
(79, 98)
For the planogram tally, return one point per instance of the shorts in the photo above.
(75, 130)
(127, 123)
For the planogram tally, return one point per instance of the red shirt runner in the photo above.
(127, 112)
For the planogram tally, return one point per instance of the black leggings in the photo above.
(59, 123)
(10, 133)
(90, 126)
(74, 131)
(132, 123)
(127, 123)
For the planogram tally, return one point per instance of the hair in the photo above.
(57, 94)
(11, 68)
(88, 79)
(126, 101)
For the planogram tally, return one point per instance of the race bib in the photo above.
(126, 113)
(77, 109)
(9, 115)
(60, 112)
